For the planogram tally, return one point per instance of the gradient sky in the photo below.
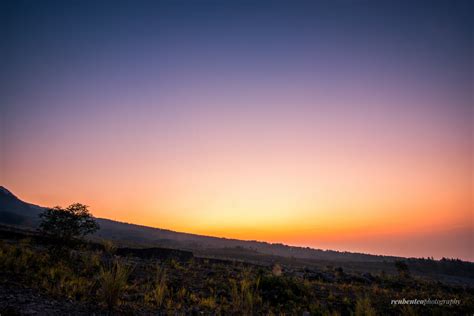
(331, 124)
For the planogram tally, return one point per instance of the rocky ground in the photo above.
(35, 281)
(17, 299)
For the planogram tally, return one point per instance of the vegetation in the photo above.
(113, 283)
(73, 222)
(147, 286)
(245, 293)
(364, 308)
(402, 268)
(159, 288)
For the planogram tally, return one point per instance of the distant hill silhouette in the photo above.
(14, 211)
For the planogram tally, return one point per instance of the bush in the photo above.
(283, 290)
(245, 294)
(402, 268)
(65, 225)
(364, 308)
(208, 302)
(160, 289)
(113, 283)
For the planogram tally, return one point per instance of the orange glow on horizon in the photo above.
(283, 201)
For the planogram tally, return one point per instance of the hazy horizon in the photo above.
(399, 247)
(339, 125)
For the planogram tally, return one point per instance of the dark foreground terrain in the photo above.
(37, 277)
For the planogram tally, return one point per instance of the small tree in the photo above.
(73, 222)
(402, 268)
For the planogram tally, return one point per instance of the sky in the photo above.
(343, 125)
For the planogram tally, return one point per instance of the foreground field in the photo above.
(37, 279)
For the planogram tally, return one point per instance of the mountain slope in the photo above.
(13, 211)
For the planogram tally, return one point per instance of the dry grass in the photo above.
(364, 307)
(158, 291)
(173, 287)
(113, 283)
(244, 293)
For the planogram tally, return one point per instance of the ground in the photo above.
(41, 279)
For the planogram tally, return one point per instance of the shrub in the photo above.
(283, 290)
(244, 294)
(113, 283)
(109, 247)
(18, 259)
(364, 308)
(277, 270)
(159, 289)
(181, 294)
(208, 302)
(407, 310)
(402, 268)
